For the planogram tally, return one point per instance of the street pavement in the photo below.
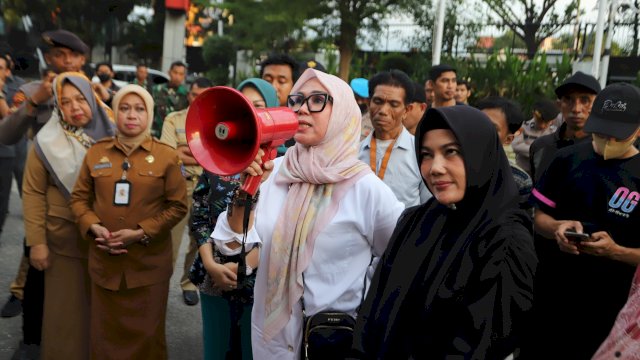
(184, 323)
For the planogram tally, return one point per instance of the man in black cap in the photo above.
(575, 96)
(592, 189)
(31, 109)
(33, 102)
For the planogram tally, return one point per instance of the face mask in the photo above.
(610, 149)
(104, 77)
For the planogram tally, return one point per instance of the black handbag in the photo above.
(328, 334)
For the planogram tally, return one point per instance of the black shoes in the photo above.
(12, 308)
(190, 297)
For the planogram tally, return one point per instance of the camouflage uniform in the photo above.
(167, 100)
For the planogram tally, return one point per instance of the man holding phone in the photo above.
(590, 188)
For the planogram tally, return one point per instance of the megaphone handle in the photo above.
(252, 183)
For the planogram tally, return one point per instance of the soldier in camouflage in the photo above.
(169, 97)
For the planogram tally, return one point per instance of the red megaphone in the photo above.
(224, 132)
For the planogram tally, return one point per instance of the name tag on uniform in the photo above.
(101, 166)
(122, 193)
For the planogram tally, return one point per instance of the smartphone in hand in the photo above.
(577, 237)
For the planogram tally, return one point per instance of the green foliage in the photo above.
(268, 25)
(143, 39)
(513, 77)
(218, 53)
(88, 19)
(396, 61)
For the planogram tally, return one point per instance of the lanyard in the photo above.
(385, 159)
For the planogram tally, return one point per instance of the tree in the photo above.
(219, 53)
(355, 16)
(508, 40)
(87, 19)
(530, 22)
(457, 27)
(268, 25)
(143, 38)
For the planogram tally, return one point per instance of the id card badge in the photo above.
(122, 193)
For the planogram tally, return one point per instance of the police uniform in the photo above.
(130, 291)
(527, 134)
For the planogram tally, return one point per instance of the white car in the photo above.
(125, 74)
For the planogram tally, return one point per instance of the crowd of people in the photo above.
(445, 227)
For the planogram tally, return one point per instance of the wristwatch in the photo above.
(146, 239)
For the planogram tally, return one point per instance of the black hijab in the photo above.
(439, 258)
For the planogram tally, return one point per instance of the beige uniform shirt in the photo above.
(157, 202)
(174, 135)
(47, 216)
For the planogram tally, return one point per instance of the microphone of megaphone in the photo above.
(225, 131)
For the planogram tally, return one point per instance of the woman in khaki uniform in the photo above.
(129, 194)
(56, 247)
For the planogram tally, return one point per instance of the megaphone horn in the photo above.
(224, 132)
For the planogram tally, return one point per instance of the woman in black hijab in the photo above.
(457, 277)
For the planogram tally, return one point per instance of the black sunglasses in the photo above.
(315, 102)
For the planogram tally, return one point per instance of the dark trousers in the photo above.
(6, 178)
(32, 305)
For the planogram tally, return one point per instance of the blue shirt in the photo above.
(402, 174)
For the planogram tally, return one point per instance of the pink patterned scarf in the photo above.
(319, 176)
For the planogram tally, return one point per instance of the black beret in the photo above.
(64, 38)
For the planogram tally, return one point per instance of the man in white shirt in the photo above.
(389, 149)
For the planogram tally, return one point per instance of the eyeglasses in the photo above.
(315, 102)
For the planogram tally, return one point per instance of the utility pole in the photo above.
(597, 49)
(437, 43)
(173, 48)
(604, 70)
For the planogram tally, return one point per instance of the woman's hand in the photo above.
(102, 239)
(125, 237)
(563, 242)
(257, 168)
(222, 276)
(99, 231)
(39, 256)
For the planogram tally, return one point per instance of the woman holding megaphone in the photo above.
(321, 216)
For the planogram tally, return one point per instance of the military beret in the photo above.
(64, 38)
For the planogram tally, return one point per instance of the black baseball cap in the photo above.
(615, 112)
(64, 38)
(579, 80)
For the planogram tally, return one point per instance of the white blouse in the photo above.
(361, 227)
